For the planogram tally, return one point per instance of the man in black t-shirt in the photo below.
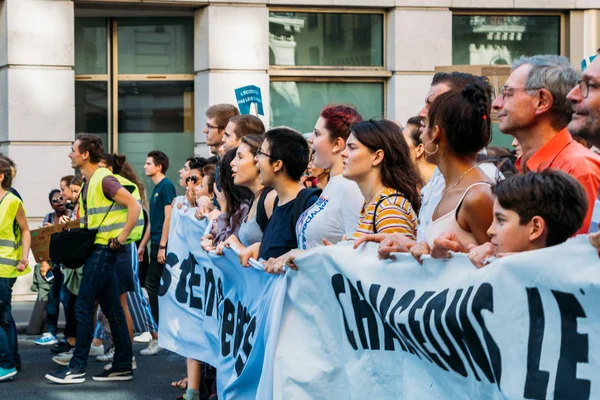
(281, 160)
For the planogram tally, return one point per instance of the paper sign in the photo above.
(40, 239)
(249, 100)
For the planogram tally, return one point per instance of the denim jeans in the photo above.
(99, 283)
(58, 294)
(8, 333)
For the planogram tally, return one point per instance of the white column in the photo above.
(412, 57)
(37, 106)
(584, 35)
(231, 50)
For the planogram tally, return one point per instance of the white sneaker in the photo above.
(64, 358)
(133, 365)
(152, 349)
(145, 337)
(97, 350)
(108, 356)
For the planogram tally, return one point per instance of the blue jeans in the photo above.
(8, 333)
(58, 294)
(99, 283)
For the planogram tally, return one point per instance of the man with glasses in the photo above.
(585, 99)
(217, 118)
(533, 107)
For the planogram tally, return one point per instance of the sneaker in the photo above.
(63, 358)
(96, 351)
(108, 356)
(47, 339)
(152, 349)
(7, 373)
(133, 365)
(112, 375)
(67, 375)
(145, 337)
(61, 347)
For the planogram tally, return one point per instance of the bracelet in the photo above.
(162, 247)
(24, 261)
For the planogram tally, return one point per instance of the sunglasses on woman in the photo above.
(193, 179)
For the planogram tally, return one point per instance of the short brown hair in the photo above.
(247, 125)
(160, 158)
(222, 113)
(554, 195)
(92, 144)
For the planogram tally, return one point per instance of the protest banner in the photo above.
(348, 326)
(525, 326)
(218, 312)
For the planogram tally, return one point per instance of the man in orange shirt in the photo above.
(533, 107)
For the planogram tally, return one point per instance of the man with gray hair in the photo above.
(533, 107)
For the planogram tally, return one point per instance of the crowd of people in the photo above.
(432, 187)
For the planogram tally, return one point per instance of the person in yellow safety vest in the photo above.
(110, 208)
(15, 242)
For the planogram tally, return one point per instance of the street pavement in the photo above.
(152, 379)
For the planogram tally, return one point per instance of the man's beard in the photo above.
(589, 130)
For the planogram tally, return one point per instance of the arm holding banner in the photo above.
(388, 244)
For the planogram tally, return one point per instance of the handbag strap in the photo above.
(106, 215)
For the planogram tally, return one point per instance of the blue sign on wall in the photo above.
(248, 95)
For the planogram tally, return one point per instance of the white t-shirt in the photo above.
(431, 195)
(334, 215)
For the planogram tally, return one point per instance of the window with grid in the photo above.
(322, 57)
(134, 86)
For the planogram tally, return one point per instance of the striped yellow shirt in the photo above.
(395, 214)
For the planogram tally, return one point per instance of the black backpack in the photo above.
(300, 203)
(261, 214)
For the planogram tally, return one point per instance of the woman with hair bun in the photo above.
(456, 129)
(336, 213)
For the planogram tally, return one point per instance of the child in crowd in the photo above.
(532, 211)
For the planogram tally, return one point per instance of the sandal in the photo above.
(180, 384)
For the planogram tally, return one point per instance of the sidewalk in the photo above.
(21, 311)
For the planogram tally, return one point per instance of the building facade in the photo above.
(141, 73)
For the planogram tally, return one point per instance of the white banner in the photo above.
(526, 326)
(214, 310)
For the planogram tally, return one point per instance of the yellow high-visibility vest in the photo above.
(11, 249)
(98, 206)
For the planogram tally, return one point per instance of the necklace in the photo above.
(452, 187)
(459, 179)
(374, 195)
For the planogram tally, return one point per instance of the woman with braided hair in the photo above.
(457, 127)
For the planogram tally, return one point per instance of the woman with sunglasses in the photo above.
(57, 294)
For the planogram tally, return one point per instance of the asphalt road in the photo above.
(151, 380)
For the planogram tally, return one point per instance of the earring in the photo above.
(437, 147)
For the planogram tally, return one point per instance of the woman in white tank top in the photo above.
(456, 128)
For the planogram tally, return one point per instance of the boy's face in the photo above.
(507, 233)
